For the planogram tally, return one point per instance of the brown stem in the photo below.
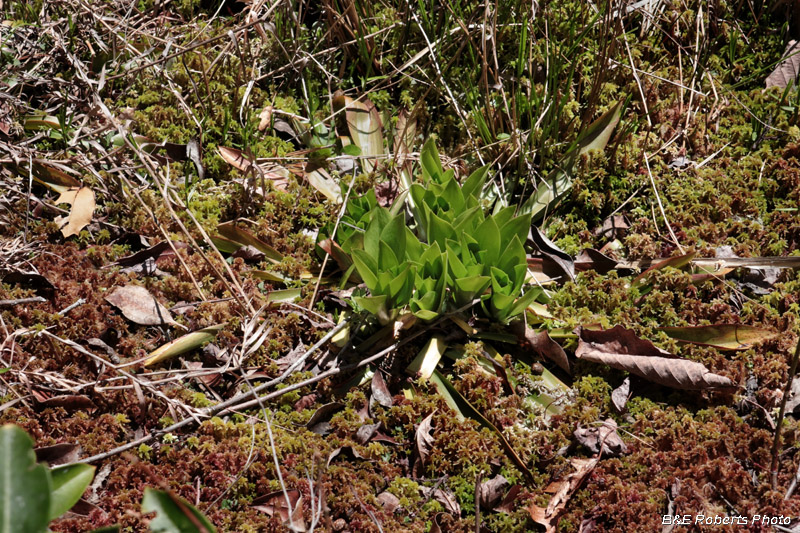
(776, 443)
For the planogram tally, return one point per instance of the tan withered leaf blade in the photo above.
(787, 70)
(139, 306)
(80, 215)
(721, 336)
(620, 348)
(562, 492)
(365, 127)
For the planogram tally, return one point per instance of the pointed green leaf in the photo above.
(69, 484)
(173, 514)
(488, 237)
(474, 184)
(25, 486)
(367, 268)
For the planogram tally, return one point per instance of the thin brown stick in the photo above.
(776, 443)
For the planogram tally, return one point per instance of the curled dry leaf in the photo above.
(80, 215)
(366, 432)
(619, 396)
(591, 259)
(146, 261)
(287, 505)
(380, 392)
(139, 306)
(547, 348)
(445, 497)
(556, 262)
(602, 439)
(620, 348)
(491, 492)
(319, 422)
(562, 492)
(389, 501)
(423, 443)
(58, 454)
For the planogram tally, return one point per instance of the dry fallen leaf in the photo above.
(139, 306)
(547, 348)
(80, 215)
(380, 392)
(602, 438)
(620, 348)
(619, 396)
(491, 492)
(423, 444)
(562, 492)
(789, 67)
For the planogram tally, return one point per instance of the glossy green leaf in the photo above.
(69, 484)
(473, 185)
(367, 268)
(488, 237)
(181, 345)
(374, 304)
(25, 486)
(173, 514)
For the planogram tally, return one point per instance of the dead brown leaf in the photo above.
(380, 392)
(58, 454)
(423, 444)
(80, 215)
(491, 492)
(547, 348)
(620, 348)
(562, 492)
(789, 67)
(139, 306)
(602, 439)
(619, 396)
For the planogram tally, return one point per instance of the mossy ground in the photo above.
(701, 77)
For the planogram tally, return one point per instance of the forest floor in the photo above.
(185, 186)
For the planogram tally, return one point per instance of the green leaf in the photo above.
(517, 226)
(351, 149)
(474, 184)
(466, 289)
(451, 194)
(431, 164)
(439, 230)
(367, 268)
(394, 234)
(24, 485)
(387, 258)
(488, 237)
(374, 304)
(181, 345)
(173, 514)
(69, 483)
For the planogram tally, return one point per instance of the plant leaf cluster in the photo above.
(457, 252)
